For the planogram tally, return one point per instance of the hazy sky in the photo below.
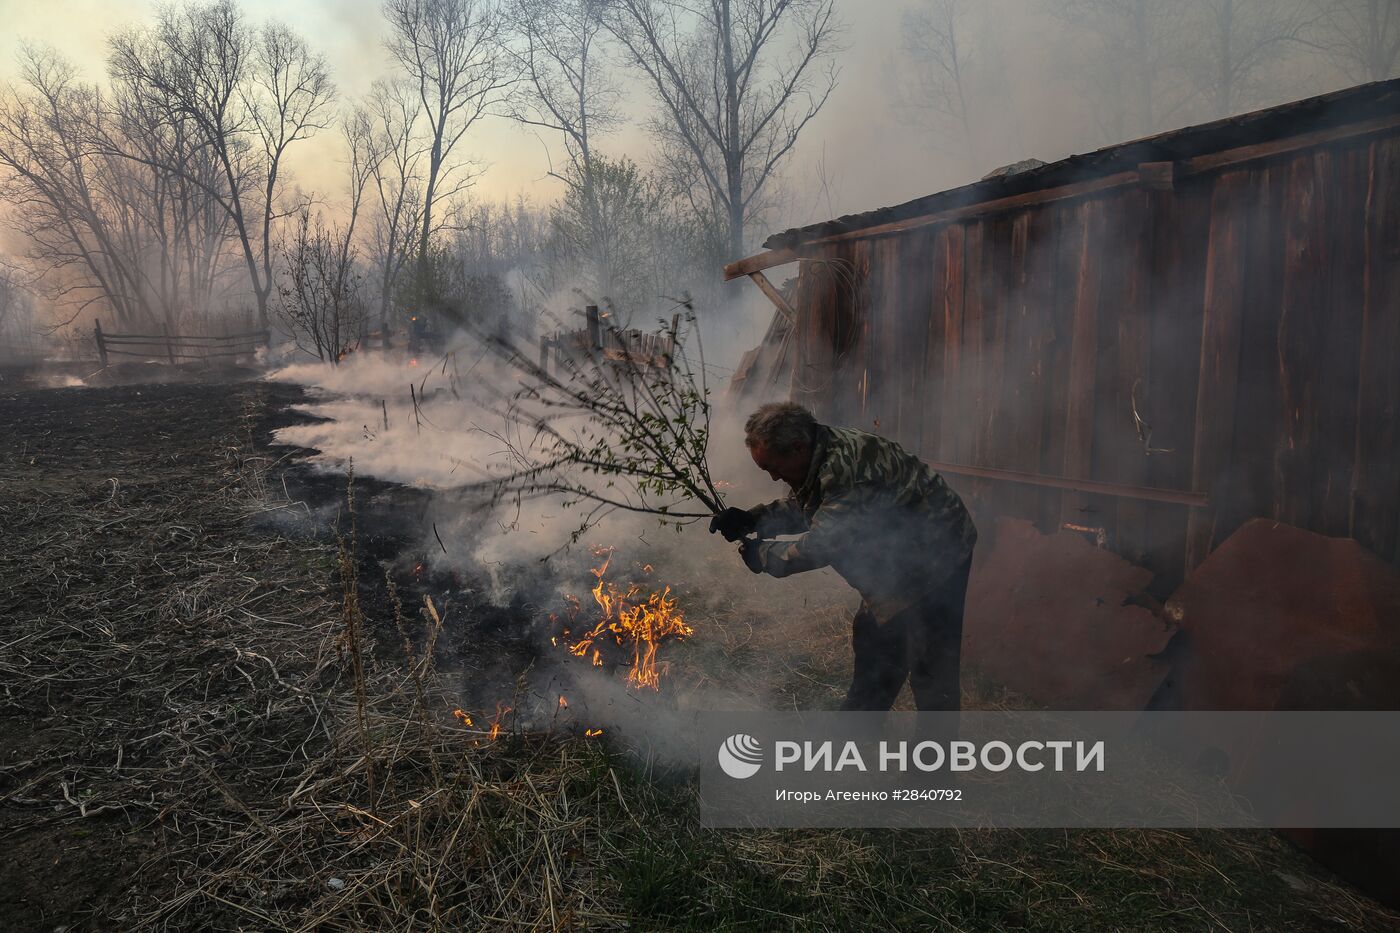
(865, 150)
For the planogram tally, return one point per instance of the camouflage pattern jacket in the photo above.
(874, 513)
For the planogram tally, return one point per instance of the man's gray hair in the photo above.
(782, 427)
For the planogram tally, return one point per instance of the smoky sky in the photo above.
(1031, 93)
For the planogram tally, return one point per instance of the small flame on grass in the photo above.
(634, 620)
(592, 733)
(501, 711)
(465, 719)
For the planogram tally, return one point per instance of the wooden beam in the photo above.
(758, 262)
(773, 294)
(1143, 493)
(1229, 157)
(1148, 174)
(1157, 176)
(997, 205)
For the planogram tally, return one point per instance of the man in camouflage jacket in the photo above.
(888, 524)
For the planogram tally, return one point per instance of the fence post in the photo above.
(169, 346)
(544, 354)
(595, 334)
(101, 344)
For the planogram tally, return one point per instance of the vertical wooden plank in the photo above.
(1028, 312)
(1300, 338)
(1083, 366)
(1375, 514)
(933, 342)
(911, 334)
(969, 412)
(996, 257)
(1339, 370)
(948, 302)
(1247, 489)
(1181, 226)
(1220, 351)
(881, 313)
(1132, 374)
(814, 334)
(855, 375)
(1068, 220)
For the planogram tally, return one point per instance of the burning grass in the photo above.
(186, 694)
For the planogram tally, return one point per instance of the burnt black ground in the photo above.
(105, 495)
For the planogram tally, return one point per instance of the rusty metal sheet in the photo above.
(1282, 618)
(1048, 616)
(1278, 617)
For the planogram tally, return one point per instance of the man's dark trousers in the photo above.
(923, 643)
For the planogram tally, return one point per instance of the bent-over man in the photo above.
(887, 523)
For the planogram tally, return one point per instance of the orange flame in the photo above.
(634, 620)
(496, 727)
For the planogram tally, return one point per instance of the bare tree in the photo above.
(1131, 72)
(18, 331)
(936, 85)
(45, 128)
(731, 103)
(319, 292)
(392, 152)
(1361, 37)
(567, 89)
(101, 194)
(453, 53)
(248, 94)
(1234, 41)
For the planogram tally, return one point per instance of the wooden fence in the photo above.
(177, 348)
(639, 347)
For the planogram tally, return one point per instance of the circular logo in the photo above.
(740, 756)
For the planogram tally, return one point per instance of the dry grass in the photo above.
(194, 685)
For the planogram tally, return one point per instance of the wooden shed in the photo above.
(1154, 342)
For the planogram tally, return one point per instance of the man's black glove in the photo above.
(753, 557)
(734, 524)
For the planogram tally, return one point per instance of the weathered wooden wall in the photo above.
(1254, 311)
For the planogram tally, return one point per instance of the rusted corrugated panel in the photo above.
(1377, 515)
(1078, 646)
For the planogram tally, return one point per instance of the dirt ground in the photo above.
(192, 735)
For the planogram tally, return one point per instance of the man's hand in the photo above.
(753, 557)
(734, 524)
